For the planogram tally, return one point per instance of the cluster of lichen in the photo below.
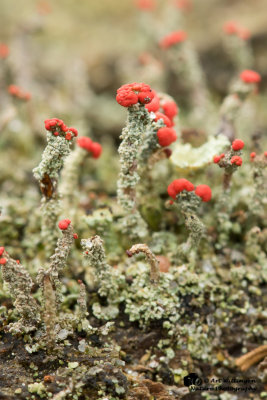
(196, 276)
(189, 272)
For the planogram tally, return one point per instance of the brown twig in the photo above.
(251, 358)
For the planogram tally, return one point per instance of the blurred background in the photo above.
(70, 57)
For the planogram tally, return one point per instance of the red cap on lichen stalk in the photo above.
(154, 105)
(172, 39)
(250, 76)
(132, 93)
(146, 5)
(230, 27)
(252, 155)
(217, 158)
(166, 136)
(237, 144)
(170, 109)
(233, 28)
(4, 50)
(165, 119)
(236, 160)
(178, 185)
(18, 92)
(204, 192)
(92, 147)
(184, 5)
(57, 127)
(64, 224)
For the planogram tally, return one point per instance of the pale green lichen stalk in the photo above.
(101, 221)
(82, 302)
(50, 311)
(259, 194)
(20, 286)
(228, 114)
(182, 60)
(69, 179)
(231, 107)
(58, 262)
(50, 210)
(194, 75)
(239, 51)
(151, 153)
(47, 174)
(81, 320)
(108, 280)
(150, 143)
(132, 140)
(223, 206)
(56, 151)
(95, 253)
(188, 203)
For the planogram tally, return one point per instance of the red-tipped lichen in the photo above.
(166, 120)
(146, 5)
(178, 185)
(166, 136)
(170, 109)
(172, 39)
(4, 50)
(204, 192)
(154, 105)
(132, 93)
(250, 76)
(237, 144)
(18, 92)
(237, 160)
(64, 224)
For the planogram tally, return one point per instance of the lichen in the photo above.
(132, 139)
